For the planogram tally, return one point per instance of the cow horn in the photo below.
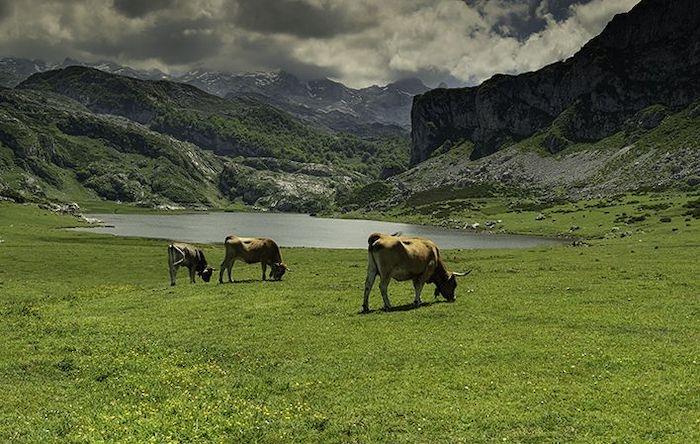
(461, 274)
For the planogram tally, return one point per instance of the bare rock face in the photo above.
(648, 56)
(285, 185)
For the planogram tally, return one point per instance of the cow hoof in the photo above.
(172, 284)
(417, 303)
(365, 309)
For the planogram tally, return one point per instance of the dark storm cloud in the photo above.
(175, 42)
(34, 48)
(296, 17)
(266, 53)
(139, 8)
(5, 9)
(358, 42)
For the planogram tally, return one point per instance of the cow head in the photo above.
(206, 274)
(447, 287)
(278, 271)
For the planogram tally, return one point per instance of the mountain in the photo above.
(621, 115)
(153, 142)
(647, 57)
(229, 127)
(327, 103)
(115, 68)
(376, 111)
(14, 70)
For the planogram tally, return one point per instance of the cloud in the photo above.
(358, 42)
(298, 17)
(140, 8)
(175, 42)
(5, 9)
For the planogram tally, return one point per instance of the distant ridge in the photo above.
(375, 111)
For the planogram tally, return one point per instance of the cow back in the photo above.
(254, 249)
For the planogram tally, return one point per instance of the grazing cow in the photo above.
(252, 250)
(404, 258)
(185, 255)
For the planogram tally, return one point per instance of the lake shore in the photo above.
(296, 230)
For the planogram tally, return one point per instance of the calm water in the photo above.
(294, 230)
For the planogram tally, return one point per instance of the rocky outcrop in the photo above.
(648, 56)
(285, 185)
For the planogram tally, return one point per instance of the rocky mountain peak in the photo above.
(648, 56)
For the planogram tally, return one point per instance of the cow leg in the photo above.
(171, 266)
(224, 266)
(369, 283)
(384, 288)
(192, 275)
(173, 275)
(264, 270)
(228, 270)
(418, 287)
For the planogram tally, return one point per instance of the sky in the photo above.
(357, 42)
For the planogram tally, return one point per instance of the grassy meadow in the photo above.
(597, 343)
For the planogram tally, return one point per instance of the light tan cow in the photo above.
(252, 250)
(407, 258)
(185, 255)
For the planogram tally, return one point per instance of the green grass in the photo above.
(589, 344)
(594, 218)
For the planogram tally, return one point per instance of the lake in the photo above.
(295, 230)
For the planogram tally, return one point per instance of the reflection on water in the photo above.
(294, 230)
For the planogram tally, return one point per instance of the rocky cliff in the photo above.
(648, 56)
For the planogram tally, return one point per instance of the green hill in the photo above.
(83, 134)
(229, 127)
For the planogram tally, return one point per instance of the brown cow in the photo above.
(185, 255)
(403, 258)
(252, 250)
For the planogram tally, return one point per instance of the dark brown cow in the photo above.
(407, 258)
(185, 255)
(253, 250)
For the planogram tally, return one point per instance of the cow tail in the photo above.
(371, 262)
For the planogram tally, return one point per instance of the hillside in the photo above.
(238, 127)
(81, 133)
(648, 56)
(634, 159)
(53, 147)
